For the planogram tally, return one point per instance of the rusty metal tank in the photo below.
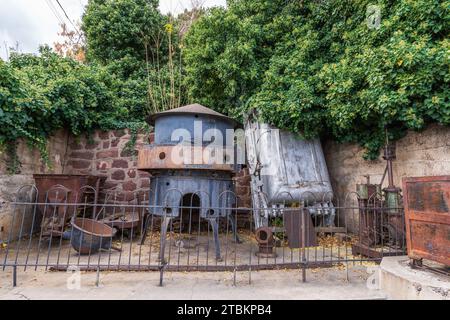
(182, 161)
(191, 165)
(427, 215)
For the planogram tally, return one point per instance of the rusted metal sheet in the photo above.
(73, 182)
(299, 229)
(427, 214)
(185, 157)
(56, 190)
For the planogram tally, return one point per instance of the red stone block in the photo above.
(145, 183)
(120, 163)
(106, 144)
(115, 142)
(91, 145)
(110, 184)
(240, 190)
(151, 137)
(132, 173)
(102, 165)
(118, 175)
(129, 186)
(103, 135)
(86, 155)
(79, 164)
(75, 146)
(112, 153)
(143, 174)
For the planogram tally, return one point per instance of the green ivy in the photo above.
(40, 94)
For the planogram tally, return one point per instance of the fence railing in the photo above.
(119, 232)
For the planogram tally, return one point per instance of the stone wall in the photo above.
(31, 163)
(425, 153)
(105, 154)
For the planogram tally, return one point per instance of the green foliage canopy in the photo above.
(132, 39)
(40, 94)
(118, 29)
(317, 69)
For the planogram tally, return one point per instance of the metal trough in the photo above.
(89, 236)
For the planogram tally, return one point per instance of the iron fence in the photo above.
(118, 231)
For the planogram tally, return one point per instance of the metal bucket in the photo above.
(89, 236)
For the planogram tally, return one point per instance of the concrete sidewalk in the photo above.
(327, 283)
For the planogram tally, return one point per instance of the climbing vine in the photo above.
(40, 94)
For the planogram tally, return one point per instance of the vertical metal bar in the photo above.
(31, 230)
(51, 231)
(180, 241)
(226, 235)
(42, 230)
(97, 278)
(62, 231)
(235, 247)
(113, 214)
(207, 244)
(11, 228)
(161, 275)
(151, 239)
(121, 236)
(14, 276)
(143, 223)
(131, 235)
(82, 238)
(20, 236)
(251, 253)
(101, 242)
(303, 245)
(198, 239)
(190, 230)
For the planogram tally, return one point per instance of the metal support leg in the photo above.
(14, 276)
(164, 225)
(144, 233)
(162, 261)
(215, 227)
(233, 228)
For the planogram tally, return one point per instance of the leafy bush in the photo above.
(39, 94)
(317, 69)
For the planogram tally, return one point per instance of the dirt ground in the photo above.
(323, 283)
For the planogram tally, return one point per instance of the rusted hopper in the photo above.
(427, 214)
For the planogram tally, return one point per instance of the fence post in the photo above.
(161, 274)
(14, 275)
(304, 212)
(97, 279)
